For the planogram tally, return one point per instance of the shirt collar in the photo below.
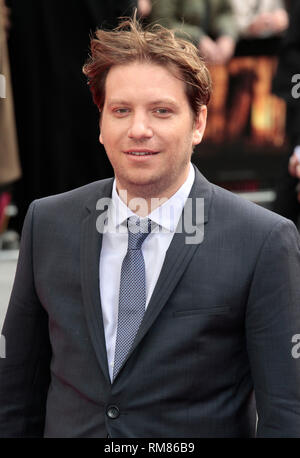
(166, 215)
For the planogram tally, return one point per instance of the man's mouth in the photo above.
(141, 152)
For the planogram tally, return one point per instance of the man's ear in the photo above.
(199, 125)
(101, 138)
(100, 122)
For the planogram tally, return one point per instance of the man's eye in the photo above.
(162, 111)
(121, 111)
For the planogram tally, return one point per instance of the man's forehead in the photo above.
(168, 68)
(145, 78)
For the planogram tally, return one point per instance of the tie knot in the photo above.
(138, 230)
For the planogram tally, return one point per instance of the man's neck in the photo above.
(143, 200)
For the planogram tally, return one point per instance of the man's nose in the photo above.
(140, 127)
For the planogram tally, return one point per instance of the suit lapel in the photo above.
(90, 248)
(177, 259)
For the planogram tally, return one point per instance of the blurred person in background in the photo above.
(144, 7)
(261, 25)
(286, 85)
(252, 110)
(259, 18)
(209, 24)
(10, 170)
(56, 120)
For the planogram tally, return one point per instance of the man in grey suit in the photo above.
(152, 304)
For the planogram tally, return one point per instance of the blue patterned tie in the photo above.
(132, 298)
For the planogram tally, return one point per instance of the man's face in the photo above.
(146, 110)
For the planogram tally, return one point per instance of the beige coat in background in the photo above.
(9, 160)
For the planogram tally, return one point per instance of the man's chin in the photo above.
(143, 179)
(143, 185)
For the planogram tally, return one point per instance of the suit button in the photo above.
(112, 412)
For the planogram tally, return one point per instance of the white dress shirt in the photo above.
(114, 249)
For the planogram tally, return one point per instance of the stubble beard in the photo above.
(162, 185)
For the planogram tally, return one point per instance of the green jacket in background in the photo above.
(195, 18)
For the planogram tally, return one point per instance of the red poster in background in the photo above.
(243, 109)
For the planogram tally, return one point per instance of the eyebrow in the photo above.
(166, 101)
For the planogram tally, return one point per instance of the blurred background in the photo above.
(49, 125)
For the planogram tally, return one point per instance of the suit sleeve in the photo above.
(272, 326)
(25, 370)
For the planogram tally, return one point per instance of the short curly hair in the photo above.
(130, 42)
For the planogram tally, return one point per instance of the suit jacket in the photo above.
(217, 333)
